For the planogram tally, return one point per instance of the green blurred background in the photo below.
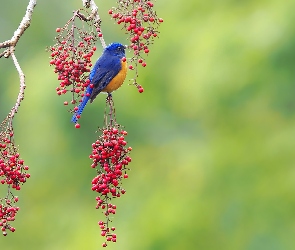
(212, 135)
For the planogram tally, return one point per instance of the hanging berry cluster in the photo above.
(140, 21)
(12, 173)
(110, 157)
(7, 213)
(71, 55)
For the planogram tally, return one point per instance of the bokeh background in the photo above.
(212, 135)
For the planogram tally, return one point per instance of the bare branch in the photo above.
(94, 15)
(25, 23)
(21, 88)
(10, 45)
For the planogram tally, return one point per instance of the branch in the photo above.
(25, 23)
(94, 15)
(10, 45)
(22, 87)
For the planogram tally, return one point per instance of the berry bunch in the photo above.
(13, 173)
(71, 57)
(140, 21)
(12, 168)
(7, 213)
(110, 158)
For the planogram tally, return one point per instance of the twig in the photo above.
(22, 87)
(95, 16)
(25, 23)
(10, 45)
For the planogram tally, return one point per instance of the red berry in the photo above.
(77, 125)
(150, 4)
(140, 90)
(58, 29)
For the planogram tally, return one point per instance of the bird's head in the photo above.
(116, 49)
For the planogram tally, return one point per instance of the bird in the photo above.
(107, 75)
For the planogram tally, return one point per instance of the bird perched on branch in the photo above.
(107, 75)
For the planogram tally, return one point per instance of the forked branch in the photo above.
(25, 23)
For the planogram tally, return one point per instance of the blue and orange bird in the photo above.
(107, 75)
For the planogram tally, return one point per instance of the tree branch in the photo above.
(22, 87)
(9, 51)
(25, 23)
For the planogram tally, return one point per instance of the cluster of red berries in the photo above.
(140, 22)
(13, 173)
(12, 168)
(7, 214)
(71, 58)
(110, 158)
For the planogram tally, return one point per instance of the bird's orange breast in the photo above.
(118, 80)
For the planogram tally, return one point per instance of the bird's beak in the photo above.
(126, 46)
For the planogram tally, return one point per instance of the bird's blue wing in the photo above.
(105, 69)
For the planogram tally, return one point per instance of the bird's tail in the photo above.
(82, 105)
